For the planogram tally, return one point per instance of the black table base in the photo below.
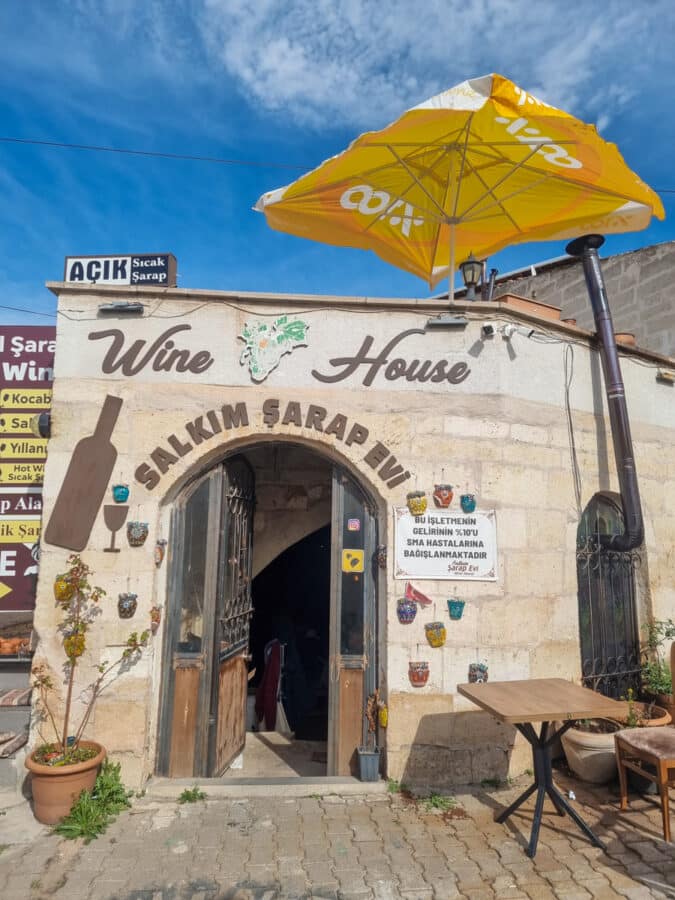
(542, 744)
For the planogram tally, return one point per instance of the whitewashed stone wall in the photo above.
(502, 432)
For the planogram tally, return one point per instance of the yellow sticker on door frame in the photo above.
(353, 561)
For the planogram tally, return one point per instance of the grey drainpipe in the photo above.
(587, 248)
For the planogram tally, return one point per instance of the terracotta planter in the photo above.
(658, 715)
(591, 756)
(56, 788)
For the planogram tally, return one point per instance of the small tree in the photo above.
(80, 604)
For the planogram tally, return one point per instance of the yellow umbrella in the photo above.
(474, 169)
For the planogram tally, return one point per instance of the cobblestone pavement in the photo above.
(348, 848)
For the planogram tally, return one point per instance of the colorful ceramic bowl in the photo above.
(126, 605)
(406, 610)
(436, 634)
(63, 590)
(417, 502)
(478, 673)
(137, 532)
(120, 493)
(418, 672)
(468, 502)
(443, 495)
(455, 607)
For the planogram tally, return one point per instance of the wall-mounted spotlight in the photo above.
(121, 309)
(446, 320)
(488, 329)
(665, 376)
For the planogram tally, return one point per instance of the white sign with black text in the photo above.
(141, 269)
(445, 545)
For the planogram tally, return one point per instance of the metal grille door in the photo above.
(608, 629)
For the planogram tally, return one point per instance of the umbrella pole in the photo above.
(451, 277)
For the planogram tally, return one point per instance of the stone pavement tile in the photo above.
(293, 885)
(481, 893)
(652, 852)
(418, 895)
(380, 868)
(351, 880)
(445, 889)
(411, 879)
(569, 890)
(327, 891)
(318, 851)
(338, 826)
(370, 848)
(320, 872)
(290, 867)
(436, 868)
(539, 891)
(384, 888)
(364, 833)
(423, 847)
(600, 889)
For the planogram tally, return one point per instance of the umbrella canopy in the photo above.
(474, 169)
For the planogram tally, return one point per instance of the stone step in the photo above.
(220, 788)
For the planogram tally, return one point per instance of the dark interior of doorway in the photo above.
(291, 602)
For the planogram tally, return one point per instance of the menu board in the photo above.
(26, 375)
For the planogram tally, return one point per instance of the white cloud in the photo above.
(349, 62)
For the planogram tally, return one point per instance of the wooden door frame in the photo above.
(338, 662)
(176, 540)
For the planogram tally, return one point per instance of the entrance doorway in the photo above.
(271, 604)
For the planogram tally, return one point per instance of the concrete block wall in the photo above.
(640, 290)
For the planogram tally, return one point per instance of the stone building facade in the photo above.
(374, 395)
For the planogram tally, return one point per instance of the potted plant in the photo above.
(369, 756)
(62, 768)
(657, 683)
(589, 743)
(589, 749)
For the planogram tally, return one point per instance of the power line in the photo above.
(223, 161)
(31, 312)
(150, 153)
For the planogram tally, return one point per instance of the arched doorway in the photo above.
(608, 628)
(229, 526)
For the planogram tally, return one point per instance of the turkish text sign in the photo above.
(445, 545)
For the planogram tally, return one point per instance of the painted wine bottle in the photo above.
(86, 480)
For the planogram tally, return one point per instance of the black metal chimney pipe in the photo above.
(587, 248)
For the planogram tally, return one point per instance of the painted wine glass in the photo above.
(114, 516)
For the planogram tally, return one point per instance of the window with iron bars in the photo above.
(608, 628)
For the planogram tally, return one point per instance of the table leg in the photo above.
(543, 785)
(573, 814)
(502, 817)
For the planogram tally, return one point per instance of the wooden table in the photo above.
(544, 700)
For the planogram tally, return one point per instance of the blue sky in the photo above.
(288, 83)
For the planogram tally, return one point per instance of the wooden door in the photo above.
(190, 604)
(233, 617)
(203, 718)
(353, 621)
